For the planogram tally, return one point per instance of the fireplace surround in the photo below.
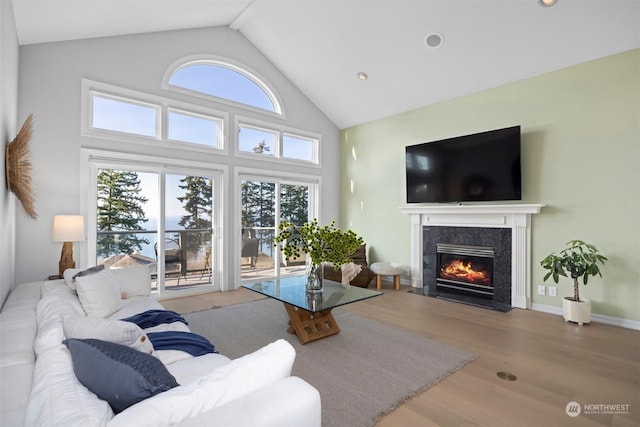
(513, 219)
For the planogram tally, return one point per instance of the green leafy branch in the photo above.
(322, 244)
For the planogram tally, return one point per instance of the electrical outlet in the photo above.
(553, 291)
(541, 290)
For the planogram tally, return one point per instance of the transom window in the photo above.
(278, 144)
(118, 113)
(195, 128)
(255, 140)
(299, 147)
(226, 81)
(124, 115)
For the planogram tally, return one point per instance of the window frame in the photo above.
(175, 154)
(280, 131)
(164, 105)
(315, 146)
(232, 65)
(187, 112)
(131, 101)
(93, 160)
(268, 175)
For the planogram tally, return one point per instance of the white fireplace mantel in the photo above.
(517, 217)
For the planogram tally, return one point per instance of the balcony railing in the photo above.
(187, 252)
(195, 260)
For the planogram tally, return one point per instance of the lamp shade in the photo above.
(68, 228)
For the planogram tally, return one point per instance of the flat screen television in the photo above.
(483, 166)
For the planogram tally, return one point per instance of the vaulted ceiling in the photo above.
(322, 45)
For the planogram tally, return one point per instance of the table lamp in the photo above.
(67, 229)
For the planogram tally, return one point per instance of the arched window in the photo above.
(223, 80)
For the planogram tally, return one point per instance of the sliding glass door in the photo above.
(164, 218)
(265, 202)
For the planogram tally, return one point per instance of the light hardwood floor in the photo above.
(555, 363)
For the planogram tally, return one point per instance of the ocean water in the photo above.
(171, 223)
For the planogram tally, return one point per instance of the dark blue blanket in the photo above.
(151, 318)
(194, 344)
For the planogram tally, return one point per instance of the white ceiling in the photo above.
(321, 45)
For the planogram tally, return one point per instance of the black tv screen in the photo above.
(479, 167)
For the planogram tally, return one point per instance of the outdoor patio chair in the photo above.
(172, 258)
(249, 250)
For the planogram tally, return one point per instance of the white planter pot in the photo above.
(576, 311)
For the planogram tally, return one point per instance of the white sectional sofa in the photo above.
(39, 387)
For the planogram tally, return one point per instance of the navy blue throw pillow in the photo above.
(121, 375)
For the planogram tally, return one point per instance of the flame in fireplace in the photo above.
(464, 271)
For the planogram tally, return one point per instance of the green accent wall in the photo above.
(580, 157)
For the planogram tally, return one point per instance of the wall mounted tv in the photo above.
(479, 167)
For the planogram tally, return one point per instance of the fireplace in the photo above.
(463, 269)
(471, 265)
(512, 275)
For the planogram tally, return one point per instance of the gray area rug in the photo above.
(362, 373)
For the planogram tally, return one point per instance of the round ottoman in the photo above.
(387, 269)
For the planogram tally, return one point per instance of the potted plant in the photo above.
(321, 244)
(578, 260)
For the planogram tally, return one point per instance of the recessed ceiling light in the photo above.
(433, 40)
(547, 3)
(362, 75)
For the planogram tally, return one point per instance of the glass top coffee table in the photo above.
(310, 315)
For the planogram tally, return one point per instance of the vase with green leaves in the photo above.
(579, 260)
(321, 244)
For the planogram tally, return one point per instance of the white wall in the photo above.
(8, 120)
(50, 79)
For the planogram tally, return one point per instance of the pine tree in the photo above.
(294, 203)
(197, 202)
(119, 209)
(258, 205)
(261, 148)
(266, 207)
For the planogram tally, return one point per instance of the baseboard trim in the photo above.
(599, 318)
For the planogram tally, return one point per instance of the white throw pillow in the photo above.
(98, 293)
(239, 377)
(133, 281)
(117, 331)
(68, 275)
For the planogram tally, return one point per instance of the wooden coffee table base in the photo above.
(310, 326)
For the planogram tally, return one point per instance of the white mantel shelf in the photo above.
(472, 209)
(514, 216)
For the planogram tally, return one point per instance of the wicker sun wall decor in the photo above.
(18, 167)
